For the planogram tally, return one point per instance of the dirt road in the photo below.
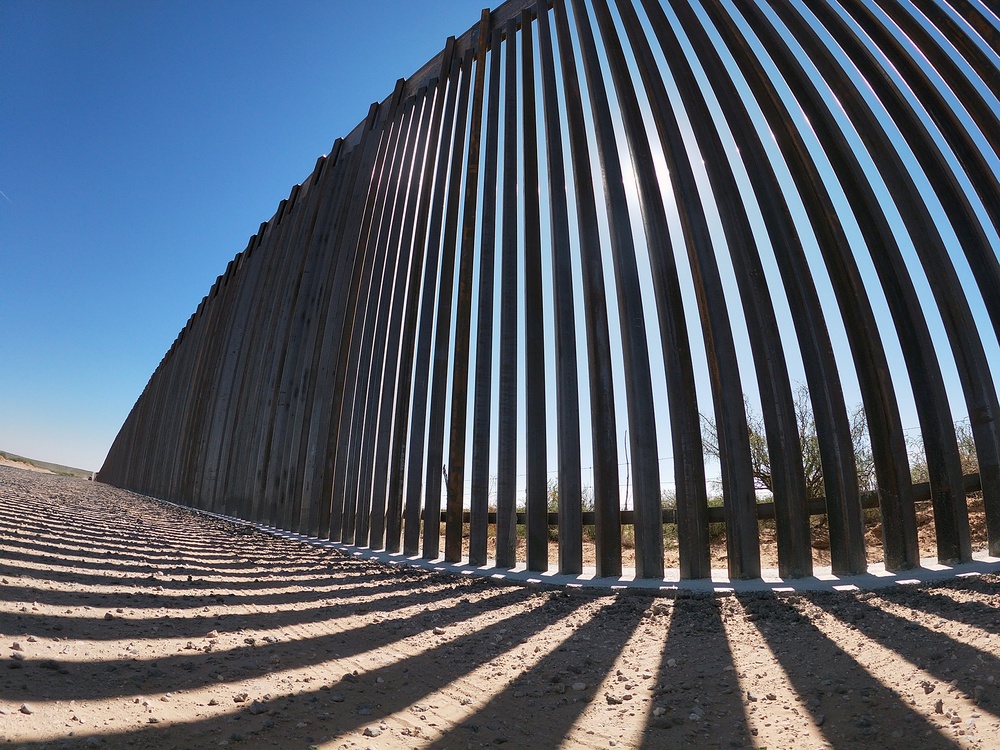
(128, 623)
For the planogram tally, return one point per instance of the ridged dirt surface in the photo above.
(125, 622)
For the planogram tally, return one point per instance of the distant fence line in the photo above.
(581, 202)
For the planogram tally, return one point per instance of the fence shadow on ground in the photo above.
(193, 633)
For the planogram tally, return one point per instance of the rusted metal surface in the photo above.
(778, 193)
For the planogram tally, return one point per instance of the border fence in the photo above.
(578, 229)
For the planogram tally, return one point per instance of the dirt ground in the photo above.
(128, 623)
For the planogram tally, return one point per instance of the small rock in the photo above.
(26, 709)
(659, 711)
(241, 697)
(438, 631)
(613, 700)
(579, 686)
(939, 706)
(671, 662)
(108, 616)
(372, 732)
(752, 697)
(978, 693)
(15, 646)
(212, 634)
(257, 708)
(153, 720)
(337, 697)
(820, 719)
(213, 702)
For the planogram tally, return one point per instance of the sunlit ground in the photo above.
(128, 623)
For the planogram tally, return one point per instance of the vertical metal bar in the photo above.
(567, 383)
(602, 405)
(481, 432)
(536, 445)
(463, 322)
(507, 393)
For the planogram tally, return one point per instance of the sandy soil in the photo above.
(4, 461)
(128, 623)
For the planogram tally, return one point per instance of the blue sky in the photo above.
(141, 144)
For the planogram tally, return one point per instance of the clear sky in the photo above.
(141, 144)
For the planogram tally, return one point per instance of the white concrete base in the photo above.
(823, 579)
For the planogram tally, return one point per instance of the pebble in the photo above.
(257, 708)
(15, 646)
(659, 711)
(438, 631)
(372, 732)
(26, 709)
(939, 706)
(671, 662)
(579, 686)
(108, 616)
